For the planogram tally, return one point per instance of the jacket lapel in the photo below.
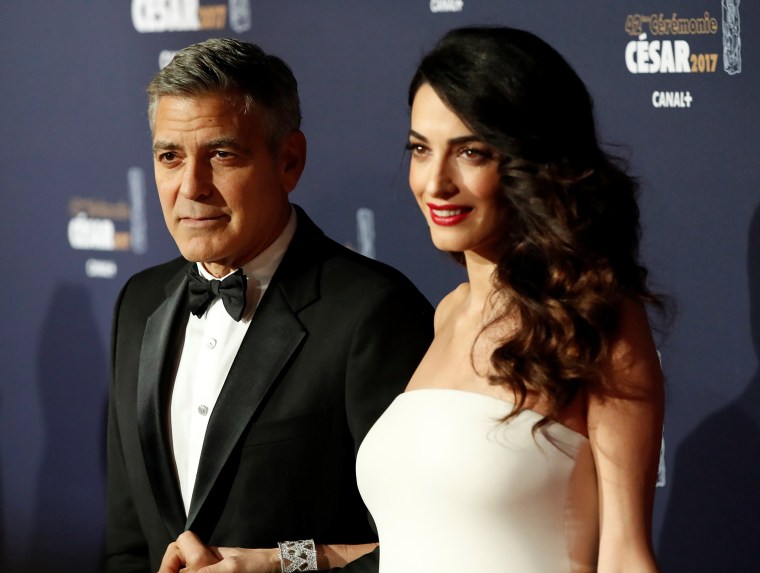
(159, 350)
(273, 337)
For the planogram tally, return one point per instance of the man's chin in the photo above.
(198, 249)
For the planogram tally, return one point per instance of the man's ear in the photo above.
(293, 159)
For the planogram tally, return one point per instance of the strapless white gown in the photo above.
(454, 490)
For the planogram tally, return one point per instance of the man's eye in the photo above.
(167, 157)
(223, 154)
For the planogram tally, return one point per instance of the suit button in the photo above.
(202, 410)
(211, 343)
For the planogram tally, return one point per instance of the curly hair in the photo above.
(568, 257)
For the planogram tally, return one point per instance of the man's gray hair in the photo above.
(233, 69)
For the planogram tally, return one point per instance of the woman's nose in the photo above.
(440, 182)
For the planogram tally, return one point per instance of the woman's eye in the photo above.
(415, 148)
(475, 154)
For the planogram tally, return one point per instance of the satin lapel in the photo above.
(159, 347)
(274, 335)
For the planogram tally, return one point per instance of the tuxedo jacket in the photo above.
(334, 339)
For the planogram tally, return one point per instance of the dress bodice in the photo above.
(452, 488)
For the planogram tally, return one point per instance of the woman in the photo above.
(528, 437)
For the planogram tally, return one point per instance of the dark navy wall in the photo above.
(676, 86)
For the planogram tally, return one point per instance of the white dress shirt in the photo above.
(211, 344)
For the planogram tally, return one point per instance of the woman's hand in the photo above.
(189, 555)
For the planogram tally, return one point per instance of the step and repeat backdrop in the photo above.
(676, 86)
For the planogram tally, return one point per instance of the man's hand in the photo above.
(189, 555)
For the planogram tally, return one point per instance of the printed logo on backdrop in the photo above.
(446, 6)
(106, 226)
(190, 15)
(165, 57)
(662, 470)
(365, 233)
(679, 43)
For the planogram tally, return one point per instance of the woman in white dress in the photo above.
(528, 438)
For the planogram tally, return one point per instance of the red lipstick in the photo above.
(447, 215)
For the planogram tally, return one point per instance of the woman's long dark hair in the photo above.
(568, 256)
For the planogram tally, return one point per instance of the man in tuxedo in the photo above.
(246, 372)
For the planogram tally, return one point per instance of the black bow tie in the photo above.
(203, 291)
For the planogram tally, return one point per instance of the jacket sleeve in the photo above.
(387, 346)
(390, 338)
(126, 546)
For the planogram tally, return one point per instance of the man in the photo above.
(239, 419)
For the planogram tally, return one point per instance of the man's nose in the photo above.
(196, 179)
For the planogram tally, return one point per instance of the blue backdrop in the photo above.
(676, 85)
